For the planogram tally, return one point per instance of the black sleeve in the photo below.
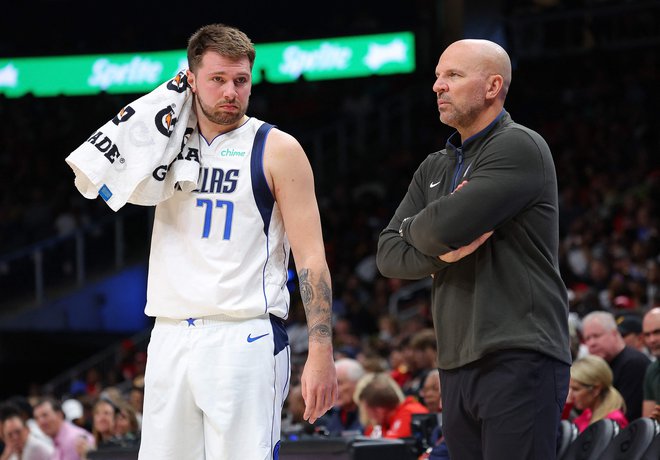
(395, 257)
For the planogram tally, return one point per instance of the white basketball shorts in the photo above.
(214, 389)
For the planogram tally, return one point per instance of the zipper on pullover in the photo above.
(459, 155)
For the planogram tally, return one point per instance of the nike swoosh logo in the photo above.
(251, 339)
(433, 184)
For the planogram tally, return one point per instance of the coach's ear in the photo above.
(494, 85)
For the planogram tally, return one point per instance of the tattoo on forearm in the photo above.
(305, 287)
(317, 300)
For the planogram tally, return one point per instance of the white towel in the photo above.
(144, 152)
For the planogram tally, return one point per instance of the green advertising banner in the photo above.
(323, 59)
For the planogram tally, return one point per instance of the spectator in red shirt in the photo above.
(388, 411)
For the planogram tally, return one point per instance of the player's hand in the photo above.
(319, 381)
(458, 254)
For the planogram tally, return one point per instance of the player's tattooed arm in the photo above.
(316, 295)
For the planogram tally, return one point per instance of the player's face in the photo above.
(222, 87)
(460, 87)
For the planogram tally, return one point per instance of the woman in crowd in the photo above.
(591, 393)
(104, 416)
(127, 426)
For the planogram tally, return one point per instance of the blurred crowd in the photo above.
(92, 415)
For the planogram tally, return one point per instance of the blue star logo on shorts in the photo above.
(191, 321)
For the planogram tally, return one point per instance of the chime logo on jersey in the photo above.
(123, 115)
(232, 153)
(178, 83)
(166, 120)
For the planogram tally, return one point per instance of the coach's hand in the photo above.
(458, 254)
(466, 250)
(319, 381)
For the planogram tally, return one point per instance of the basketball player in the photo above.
(218, 359)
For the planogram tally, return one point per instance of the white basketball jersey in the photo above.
(221, 249)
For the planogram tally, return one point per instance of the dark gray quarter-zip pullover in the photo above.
(508, 294)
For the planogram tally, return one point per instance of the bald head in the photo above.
(472, 81)
(651, 331)
(653, 313)
(486, 57)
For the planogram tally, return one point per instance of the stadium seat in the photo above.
(653, 452)
(423, 427)
(114, 453)
(568, 433)
(633, 441)
(354, 448)
(593, 441)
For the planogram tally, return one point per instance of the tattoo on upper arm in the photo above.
(317, 300)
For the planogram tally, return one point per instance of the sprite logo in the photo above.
(326, 57)
(105, 73)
